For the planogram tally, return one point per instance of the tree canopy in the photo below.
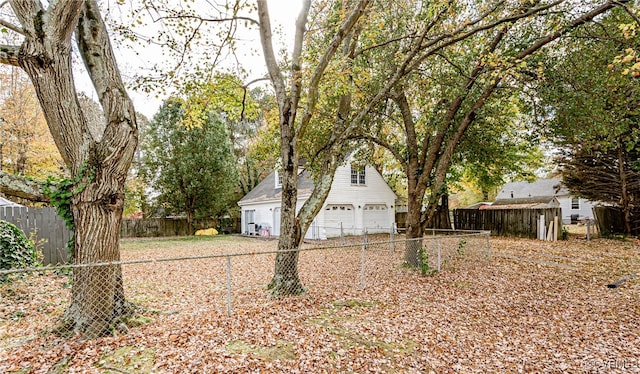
(188, 159)
(591, 109)
(26, 146)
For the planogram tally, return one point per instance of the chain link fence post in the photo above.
(229, 285)
(439, 255)
(487, 234)
(392, 232)
(366, 238)
(341, 235)
(364, 246)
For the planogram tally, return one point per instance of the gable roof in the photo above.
(266, 190)
(538, 202)
(539, 188)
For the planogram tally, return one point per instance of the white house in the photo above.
(359, 199)
(573, 208)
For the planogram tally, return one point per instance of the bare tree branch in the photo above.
(9, 54)
(210, 20)
(631, 13)
(244, 93)
(12, 27)
(18, 186)
(266, 39)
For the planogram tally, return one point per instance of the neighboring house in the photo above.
(550, 192)
(4, 203)
(359, 199)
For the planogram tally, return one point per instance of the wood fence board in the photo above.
(45, 227)
(504, 222)
(159, 227)
(610, 220)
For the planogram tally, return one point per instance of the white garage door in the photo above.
(334, 215)
(376, 218)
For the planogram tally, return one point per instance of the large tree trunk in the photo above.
(98, 164)
(285, 279)
(97, 301)
(415, 230)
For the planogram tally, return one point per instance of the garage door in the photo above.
(376, 218)
(334, 215)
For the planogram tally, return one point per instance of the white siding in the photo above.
(374, 191)
(263, 215)
(585, 210)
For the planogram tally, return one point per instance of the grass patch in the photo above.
(283, 350)
(169, 242)
(129, 359)
(341, 304)
(334, 324)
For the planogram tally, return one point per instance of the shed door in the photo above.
(334, 215)
(249, 222)
(376, 216)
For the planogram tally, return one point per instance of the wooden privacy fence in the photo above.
(610, 220)
(506, 222)
(157, 227)
(45, 227)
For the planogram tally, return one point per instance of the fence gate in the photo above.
(45, 227)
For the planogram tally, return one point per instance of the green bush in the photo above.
(16, 251)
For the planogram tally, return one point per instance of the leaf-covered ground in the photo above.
(535, 307)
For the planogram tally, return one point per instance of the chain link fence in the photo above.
(94, 299)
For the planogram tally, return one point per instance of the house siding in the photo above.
(585, 211)
(374, 191)
(548, 187)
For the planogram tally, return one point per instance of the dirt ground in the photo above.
(533, 307)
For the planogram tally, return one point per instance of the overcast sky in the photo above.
(283, 14)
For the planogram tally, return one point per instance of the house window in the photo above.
(358, 176)
(575, 203)
(278, 180)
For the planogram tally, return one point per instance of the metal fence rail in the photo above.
(224, 283)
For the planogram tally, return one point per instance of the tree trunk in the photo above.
(190, 228)
(99, 163)
(285, 281)
(97, 298)
(624, 203)
(415, 229)
(442, 219)
(21, 159)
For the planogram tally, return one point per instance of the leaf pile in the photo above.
(535, 307)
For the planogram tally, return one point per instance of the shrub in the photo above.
(16, 251)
